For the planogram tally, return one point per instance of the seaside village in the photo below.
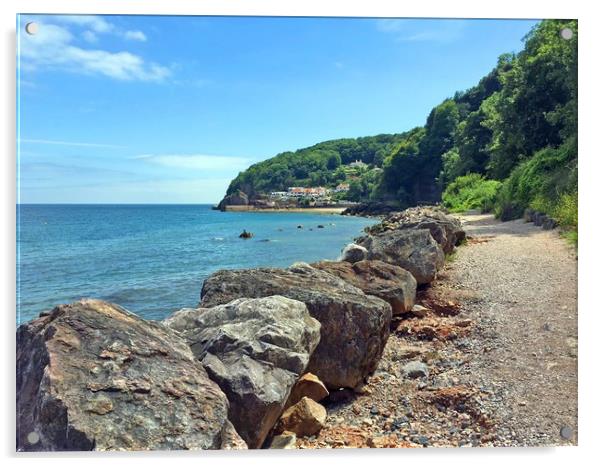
(312, 196)
(318, 196)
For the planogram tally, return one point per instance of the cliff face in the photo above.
(237, 198)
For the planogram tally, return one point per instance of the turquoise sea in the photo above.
(152, 259)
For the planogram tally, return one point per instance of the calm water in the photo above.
(152, 259)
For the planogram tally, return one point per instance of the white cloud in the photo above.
(96, 23)
(197, 161)
(135, 35)
(68, 143)
(422, 30)
(52, 47)
(89, 36)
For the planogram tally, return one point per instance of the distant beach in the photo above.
(308, 210)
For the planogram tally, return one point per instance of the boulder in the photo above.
(284, 441)
(92, 376)
(255, 350)
(237, 198)
(413, 250)
(304, 418)
(549, 224)
(355, 327)
(353, 253)
(528, 215)
(310, 386)
(389, 282)
(445, 229)
(539, 219)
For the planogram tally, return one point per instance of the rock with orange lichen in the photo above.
(304, 418)
(308, 385)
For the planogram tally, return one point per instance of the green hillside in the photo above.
(517, 126)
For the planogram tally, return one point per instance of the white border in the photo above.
(590, 106)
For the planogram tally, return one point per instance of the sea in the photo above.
(153, 259)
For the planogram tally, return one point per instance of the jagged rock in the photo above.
(304, 418)
(92, 376)
(539, 219)
(413, 250)
(415, 369)
(237, 198)
(389, 282)
(355, 327)
(284, 441)
(528, 215)
(549, 224)
(310, 386)
(444, 229)
(419, 311)
(255, 350)
(354, 253)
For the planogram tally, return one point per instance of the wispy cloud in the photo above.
(53, 46)
(196, 161)
(422, 30)
(135, 35)
(69, 143)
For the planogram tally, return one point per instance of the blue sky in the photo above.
(150, 109)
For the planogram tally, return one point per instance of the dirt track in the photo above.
(500, 344)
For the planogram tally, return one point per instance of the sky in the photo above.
(168, 109)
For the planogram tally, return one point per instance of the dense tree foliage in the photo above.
(324, 164)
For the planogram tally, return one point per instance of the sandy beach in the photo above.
(312, 210)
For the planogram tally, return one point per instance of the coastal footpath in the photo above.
(311, 356)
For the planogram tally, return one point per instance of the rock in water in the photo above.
(355, 327)
(389, 282)
(310, 386)
(92, 376)
(255, 349)
(413, 250)
(354, 253)
(304, 418)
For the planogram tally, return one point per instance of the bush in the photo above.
(547, 182)
(471, 191)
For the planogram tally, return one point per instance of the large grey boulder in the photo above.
(355, 327)
(353, 253)
(92, 376)
(255, 350)
(444, 229)
(413, 250)
(389, 282)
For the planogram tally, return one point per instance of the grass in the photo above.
(471, 191)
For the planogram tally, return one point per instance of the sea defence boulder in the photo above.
(388, 282)
(444, 229)
(413, 250)
(255, 350)
(355, 326)
(353, 253)
(92, 376)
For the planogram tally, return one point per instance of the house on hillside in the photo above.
(358, 164)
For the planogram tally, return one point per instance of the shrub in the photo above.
(471, 191)
(543, 182)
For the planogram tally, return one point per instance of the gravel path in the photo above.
(525, 341)
(498, 346)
